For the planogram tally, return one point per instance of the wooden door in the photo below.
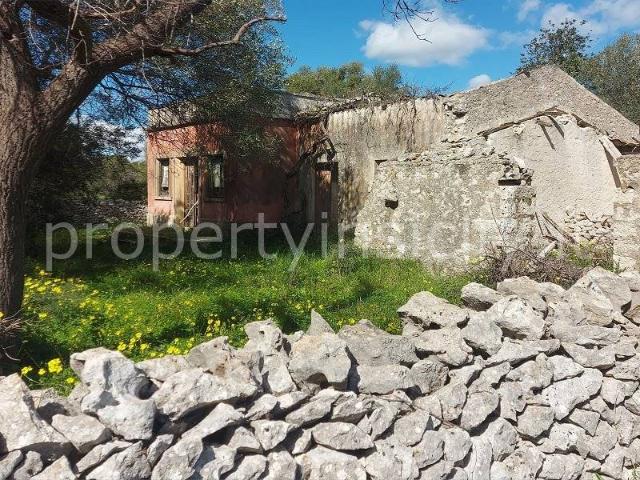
(326, 180)
(191, 197)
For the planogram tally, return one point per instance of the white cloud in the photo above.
(510, 39)
(526, 7)
(449, 41)
(479, 81)
(601, 17)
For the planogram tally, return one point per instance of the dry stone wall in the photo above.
(527, 381)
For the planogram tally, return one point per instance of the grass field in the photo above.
(127, 306)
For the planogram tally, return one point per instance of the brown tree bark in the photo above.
(31, 115)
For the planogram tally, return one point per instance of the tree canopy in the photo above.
(348, 81)
(612, 73)
(564, 45)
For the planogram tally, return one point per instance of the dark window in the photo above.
(162, 177)
(214, 177)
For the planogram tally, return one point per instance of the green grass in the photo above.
(126, 305)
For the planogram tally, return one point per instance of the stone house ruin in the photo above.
(432, 178)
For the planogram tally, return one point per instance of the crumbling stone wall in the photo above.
(589, 230)
(446, 206)
(363, 136)
(626, 220)
(570, 162)
(529, 381)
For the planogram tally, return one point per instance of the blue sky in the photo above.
(470, 42)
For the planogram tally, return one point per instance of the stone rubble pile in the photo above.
(584, 229)
(528, 381)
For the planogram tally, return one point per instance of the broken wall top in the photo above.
(524, 96)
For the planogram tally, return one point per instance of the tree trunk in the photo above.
(12, 239)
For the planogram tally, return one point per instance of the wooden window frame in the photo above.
(220, 196)
(160, 195)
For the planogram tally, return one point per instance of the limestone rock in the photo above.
(102, 369)
(534, 421)
(311, 413)
(524, 463)
(609, 285)
(192, 389)
(564, 367)
(478, 297)
(99, 454)
(382, 418)
(318, 325)
(426, 310)
(479, 406)
(130, 464)
(374, 347)
(341, 436)
(243, 441)
(502, 437)
(409, 429)
(562, 467)
(320, 360)
(513, 399)
(479, 466)
(281, 466)
(585, 419)
(9, 462)
(430, 450)
(222, 416)
(563, 396)
(483, 334)
(29, 468)
(517, 319)
(157, 448)
(262, 407)
(533, 375)
(21, 428)
(514, 351)
(350, 409)
(58, 470)
(130, 418)
(270, 433)
(178, 462)
(219, 358)
(446, 404)
(457, 444)
(250, 468)
(590, 357)
(383, 380)
(324, 464)
(530, 290)
(215, 462)
(391, 460)
(565, 438)
(585, 335)
(603, 441)
(83, 431)
(49, 403)
(447, 344)
(160, 369)
(429, 375)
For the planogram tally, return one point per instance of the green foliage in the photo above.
(614, 74)
(125, 305)
(349, 81)
(86, 162)
(563, 45)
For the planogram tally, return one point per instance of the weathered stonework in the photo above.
(524, 396)
(483, 196)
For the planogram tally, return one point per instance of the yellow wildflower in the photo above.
(42, 372)
(54, 365)
(71, 380)
(26, 370)
(43, 315)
